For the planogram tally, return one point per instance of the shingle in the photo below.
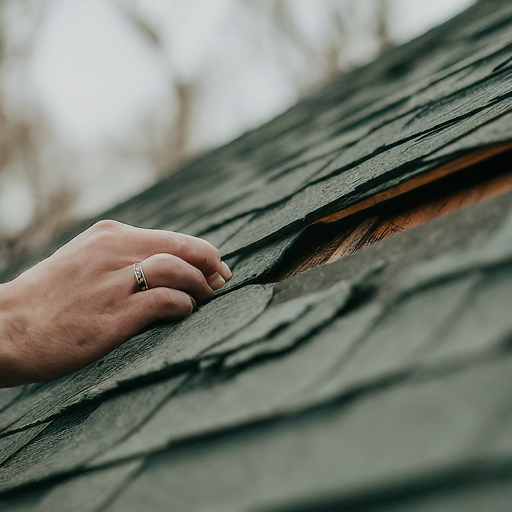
(10, 444)
(476, 497)
(274, 331)
(8, 395)
(57, 433)
(328, 305)
(497, 438)
(272, 189)
(249, 267)
(499, 130)
(497, 14)
(495, 250)
(440, 250)
(271, 388)
(218, 236)
(483, 325)
(387, 439)
(337, 191)
(214, 322)
(392, 346)
(106, 426)
(273, 319)
(85, 493)
(146, 354)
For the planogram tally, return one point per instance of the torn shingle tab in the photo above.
(380, 382)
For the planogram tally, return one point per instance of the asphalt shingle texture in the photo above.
(379, 383)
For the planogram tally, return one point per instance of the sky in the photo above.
(96, 79)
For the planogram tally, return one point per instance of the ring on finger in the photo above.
(140, 277)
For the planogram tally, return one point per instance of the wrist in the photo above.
(11, 371)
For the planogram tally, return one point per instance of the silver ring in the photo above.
(140, 277)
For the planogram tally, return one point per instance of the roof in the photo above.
(381, 382)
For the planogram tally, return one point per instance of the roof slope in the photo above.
(382, 382)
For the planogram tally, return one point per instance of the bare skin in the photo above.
(83, 301)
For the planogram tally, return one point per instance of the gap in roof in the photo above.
(441, 191)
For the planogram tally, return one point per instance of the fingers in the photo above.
(166, 270)
(199, 253)
(139, 244)
(216, 281)
(225, 271)
(155, 304)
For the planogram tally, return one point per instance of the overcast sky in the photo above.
(94, 76)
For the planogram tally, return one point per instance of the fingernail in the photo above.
(225, 271)
(216, 281)
(194, 303)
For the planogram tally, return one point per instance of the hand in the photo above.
(83, 301)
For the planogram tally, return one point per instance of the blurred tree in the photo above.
(310, 59)
(24, 132)
(382, 22)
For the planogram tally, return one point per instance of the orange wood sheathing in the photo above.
(389, 226)
(443, 171)
(348, 238)
(352, 242)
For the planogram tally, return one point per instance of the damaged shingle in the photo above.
(380, 382)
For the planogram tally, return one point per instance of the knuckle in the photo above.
(165, 263)
(215, 251)
(172, 304)
(182, 242)
(106, 225)
(198, 275)
(204, 260)
(204, 254)
(104, 234)
(211, 253)
(162, 298)
(208, 254)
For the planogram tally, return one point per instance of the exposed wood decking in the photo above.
(487, 173)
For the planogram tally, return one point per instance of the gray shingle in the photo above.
(9, 445)
(256, 264)
(106, 426)
(483, 325)
(273, 388)
(393, 345)
(85, 493)
(327, 306)
(386, 439)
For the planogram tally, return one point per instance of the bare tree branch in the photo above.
(382, 19)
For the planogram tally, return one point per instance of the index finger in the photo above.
(142, 243)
